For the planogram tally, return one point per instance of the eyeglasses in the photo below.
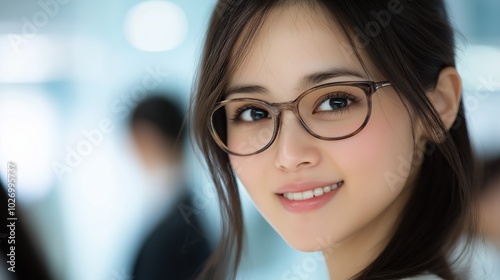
(333, 111)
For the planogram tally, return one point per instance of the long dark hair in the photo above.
(410, 49)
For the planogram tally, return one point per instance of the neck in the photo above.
(358, 251)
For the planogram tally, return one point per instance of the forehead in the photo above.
(293, 42)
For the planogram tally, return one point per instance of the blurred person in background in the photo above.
(489, 202)
(485, 257)
(177, 247)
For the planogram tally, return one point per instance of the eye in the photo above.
(252, 114)
(333, 102)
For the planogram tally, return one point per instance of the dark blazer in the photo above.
(177, 248)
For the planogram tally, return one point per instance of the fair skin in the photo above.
(154, 149)
(354, 226)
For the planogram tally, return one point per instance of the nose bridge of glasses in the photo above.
(278, 108)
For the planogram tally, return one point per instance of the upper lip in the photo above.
(305, 186)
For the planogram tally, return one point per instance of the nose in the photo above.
(296, 148)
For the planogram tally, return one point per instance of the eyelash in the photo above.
(345, 95)
(235, 117)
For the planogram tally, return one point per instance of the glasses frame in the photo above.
(368, 87)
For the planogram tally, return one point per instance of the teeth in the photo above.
(312, 193)
(318, 191)
(307, 195)
(297, 196)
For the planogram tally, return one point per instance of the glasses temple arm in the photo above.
(382, 84)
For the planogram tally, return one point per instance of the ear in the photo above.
(445, 97)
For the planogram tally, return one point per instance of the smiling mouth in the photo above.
(312, 193)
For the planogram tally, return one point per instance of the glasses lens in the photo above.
(334, 111)
(249, 126)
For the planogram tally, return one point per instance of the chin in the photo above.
(302, 247)
(308, 243)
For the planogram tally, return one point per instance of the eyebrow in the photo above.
(306, 82)
(319, 77)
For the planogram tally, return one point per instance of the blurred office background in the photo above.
(71, 71)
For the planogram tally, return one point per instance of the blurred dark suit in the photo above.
(177, 248)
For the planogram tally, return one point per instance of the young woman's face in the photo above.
(371, 168)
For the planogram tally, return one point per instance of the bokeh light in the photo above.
(156, 26)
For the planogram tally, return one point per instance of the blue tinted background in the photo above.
(73, 72)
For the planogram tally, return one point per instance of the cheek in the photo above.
(256, 174)
(375, 165)
(378, 159)
(252, 173)
(245, 167)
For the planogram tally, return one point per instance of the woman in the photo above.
(344, 122)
